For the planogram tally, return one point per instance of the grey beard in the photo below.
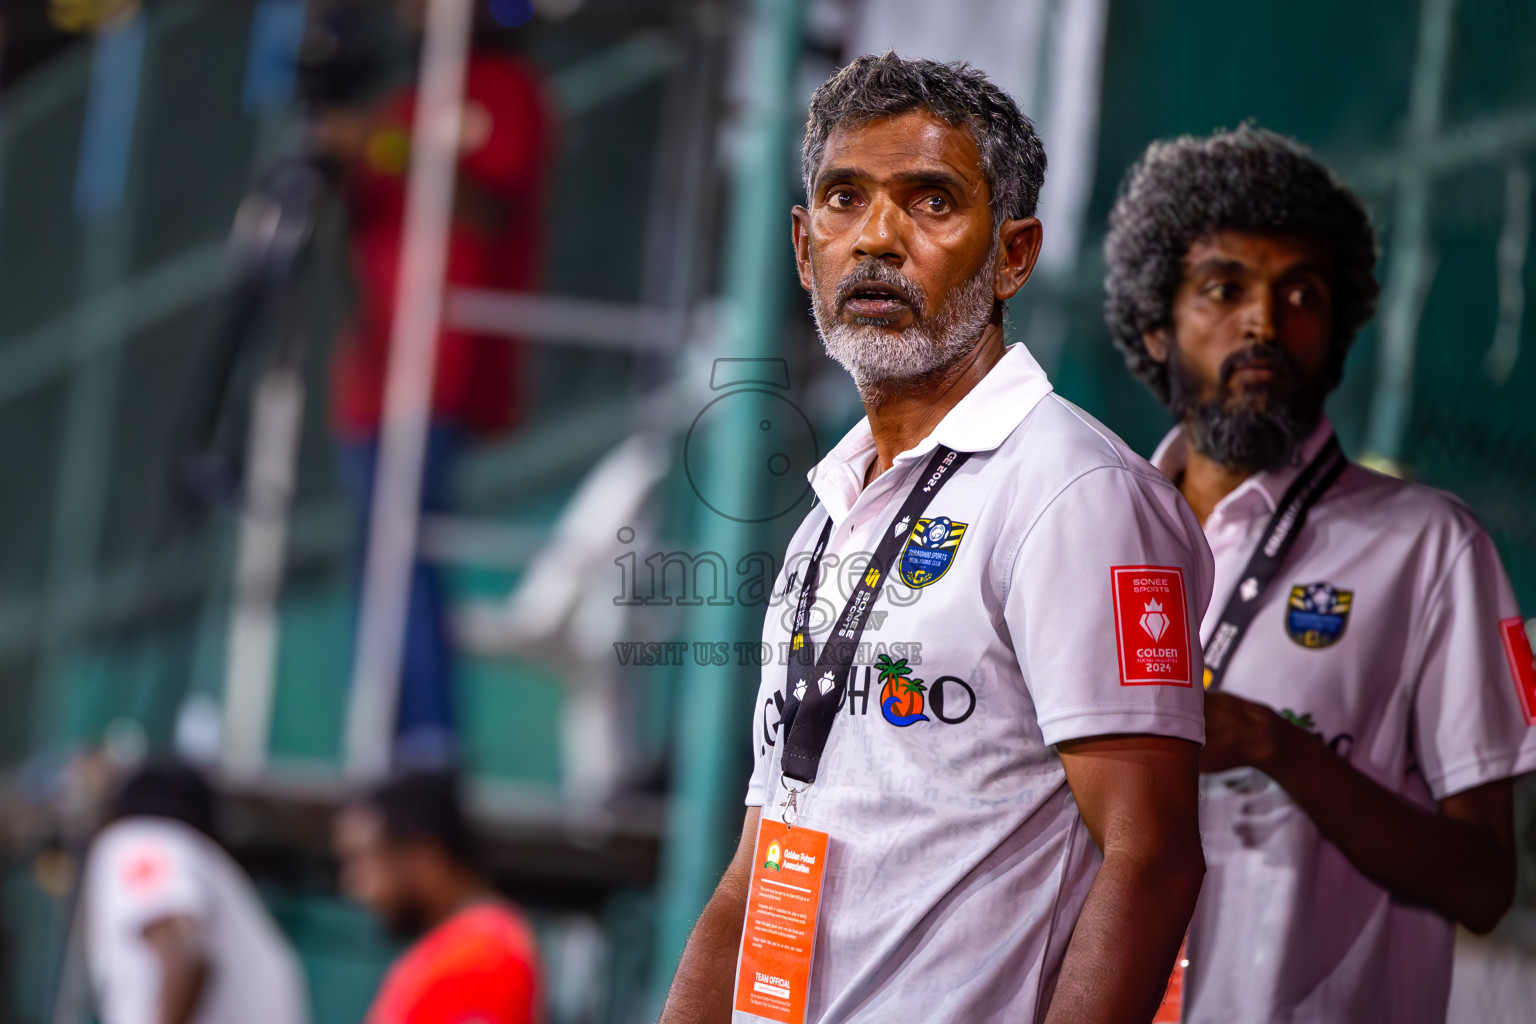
(1236, 434)
(878, 359)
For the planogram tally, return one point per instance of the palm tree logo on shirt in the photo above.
(901, 696)
(1300, 719)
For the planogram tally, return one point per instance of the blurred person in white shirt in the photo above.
(175, 932)
(1370, 686)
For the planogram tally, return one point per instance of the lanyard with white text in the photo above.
(1279, 537)
(814, 687)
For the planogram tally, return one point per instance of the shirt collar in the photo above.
(979, 422)
(1265, 488)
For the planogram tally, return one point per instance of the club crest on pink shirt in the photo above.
(1316, 614)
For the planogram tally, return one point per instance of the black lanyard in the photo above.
(814, 686)
(1279, 537)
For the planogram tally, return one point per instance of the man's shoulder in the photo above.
(498, 924)
(160, 839)
(1389, 505)
(1058, 444)
(487, 933)
(476, 959)
(140, 869)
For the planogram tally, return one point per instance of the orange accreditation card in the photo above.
(780, 931)
(1171, 1009)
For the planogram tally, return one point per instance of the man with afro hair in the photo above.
(1370, 685)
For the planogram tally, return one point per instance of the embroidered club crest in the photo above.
(929, 550)
(1317, 613)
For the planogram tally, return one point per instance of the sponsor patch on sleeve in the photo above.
(1151, 625)
(1522, 664)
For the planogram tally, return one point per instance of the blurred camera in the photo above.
(342, 57)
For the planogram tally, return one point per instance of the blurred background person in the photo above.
(175, 932)
(494, 242)
(407, 854)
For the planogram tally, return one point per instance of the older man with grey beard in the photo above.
(1007, 831)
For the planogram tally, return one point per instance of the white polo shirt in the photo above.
(1391, 633)
(143, 869)
(958, 861)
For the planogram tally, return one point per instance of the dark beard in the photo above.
(406, 921)
(1247, 431)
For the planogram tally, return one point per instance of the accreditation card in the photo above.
(1171, 1009)
(779, 935)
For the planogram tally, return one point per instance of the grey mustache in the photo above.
(875, 272)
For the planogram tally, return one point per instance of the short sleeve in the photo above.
(1103, 606)
(143, 874)
(1472, 722)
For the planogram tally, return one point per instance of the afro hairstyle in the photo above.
(1250, 179)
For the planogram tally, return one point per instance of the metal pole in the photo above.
(272, 439)
(250, 672)
(1410, 266)
(706, 809)
(393, 526)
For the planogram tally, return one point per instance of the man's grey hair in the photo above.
(870, 87)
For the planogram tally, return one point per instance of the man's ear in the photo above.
(800, 231)
(1159, 343)
(1017, 250)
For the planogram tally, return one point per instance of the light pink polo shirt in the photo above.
(1059, 585)
(1391, 632)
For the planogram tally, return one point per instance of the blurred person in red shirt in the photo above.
(407, 854)
(493, 243)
